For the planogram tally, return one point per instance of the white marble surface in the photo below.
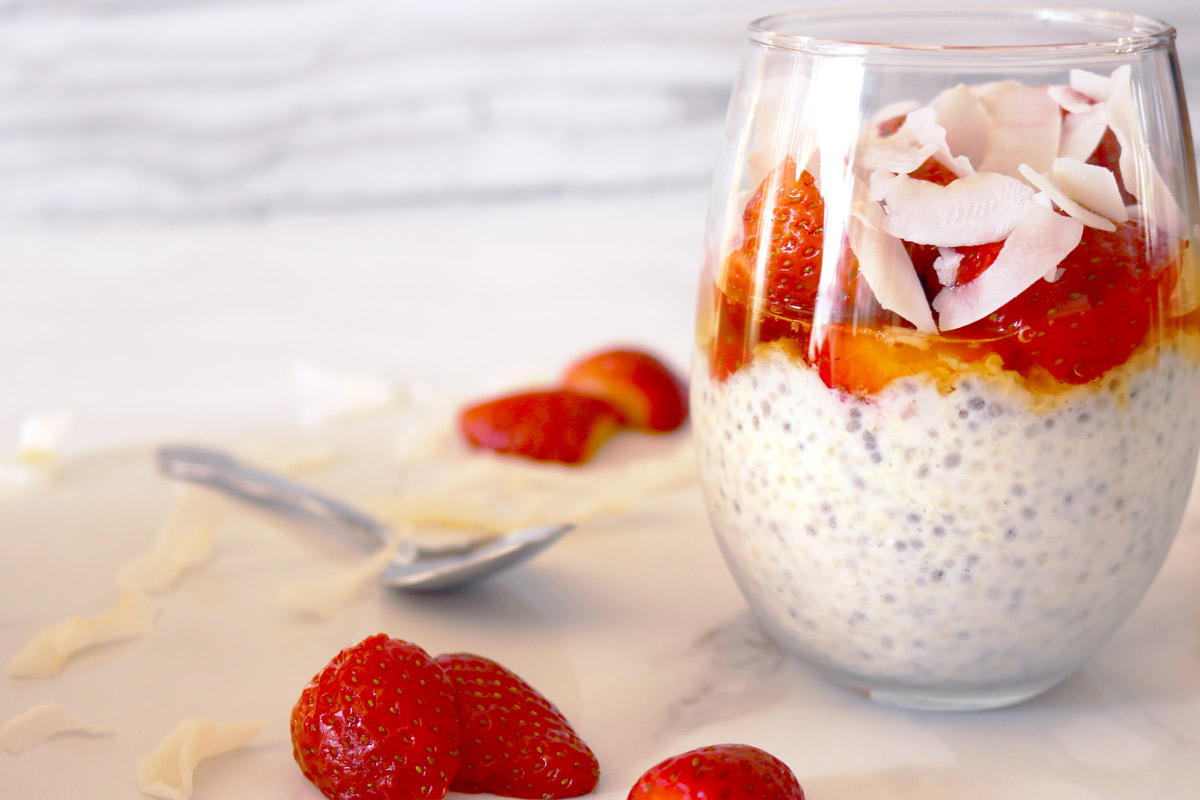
(176, 109)
(194, 194)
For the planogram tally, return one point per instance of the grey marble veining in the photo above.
(184, 108)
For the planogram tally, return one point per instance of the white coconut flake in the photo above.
(326, 395)
(1025, 129)
(1092, 186)
(900, 108)
(1138, 172)
(36, 458)
(1040, 241)
(485, 492)
(970, 211)
(1090, 84)
(1082, 132)
(896, 154)
(965, 121)
(982, 90)
(168, 771)
(918, 139)
(184, 542)
(1070, 100)
(326, 597)
(38, 724)
(946, 265)
(131, 615)
(888, 269)
(1052, 189)
(879, 184)
(41, 435)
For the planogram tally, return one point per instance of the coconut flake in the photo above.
(38, 724)
(1070, 100)
(36, 458)
(946, 265)
(1025, 128)
(901, 108)
(1036, 246)
(1082, 132)
(965, 122)
(1138, 172)
(184, 542)
(131, 615)
(982, 90)
(1092, 186)
(970, 211)
(919, 138)
(879, 184)
(887, 268)
(1090, 84)
(1052, 189)
(168, 771)
(326, 597)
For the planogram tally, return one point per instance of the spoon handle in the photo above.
(274, 492)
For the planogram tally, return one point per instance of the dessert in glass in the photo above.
(944, 388)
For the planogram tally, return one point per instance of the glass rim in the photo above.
(1130, 32)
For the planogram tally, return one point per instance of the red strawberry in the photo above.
(934, 171)
(515, 743)
(795, 237)
(1107, 154)
(560, 425)
(790, 228)
(724, 771)
(378, 723)
(1108, 299)
(976, 258)
(648, 393)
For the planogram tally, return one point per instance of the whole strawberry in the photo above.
(378, 723)
(515, 742)
(722, 771)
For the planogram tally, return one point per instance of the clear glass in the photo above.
(947, 351)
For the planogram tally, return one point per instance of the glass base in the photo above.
(926, 699)
(936, 698)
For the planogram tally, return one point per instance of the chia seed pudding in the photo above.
(977, 537)
(944, 393)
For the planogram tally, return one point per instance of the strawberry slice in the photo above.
(724, 771)
(515, 742)
(558, 425)
(1109, 297)
(645, 389)
(790, 226)
(976, 258)
(378, 723)
(795, 231)
(863, 361)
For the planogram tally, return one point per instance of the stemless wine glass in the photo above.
(945, 383)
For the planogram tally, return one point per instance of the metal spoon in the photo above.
(414, 568)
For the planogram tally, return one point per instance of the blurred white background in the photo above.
(193, 193)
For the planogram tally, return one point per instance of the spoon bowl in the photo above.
(413, 569)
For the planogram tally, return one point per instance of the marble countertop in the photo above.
(195, 196)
